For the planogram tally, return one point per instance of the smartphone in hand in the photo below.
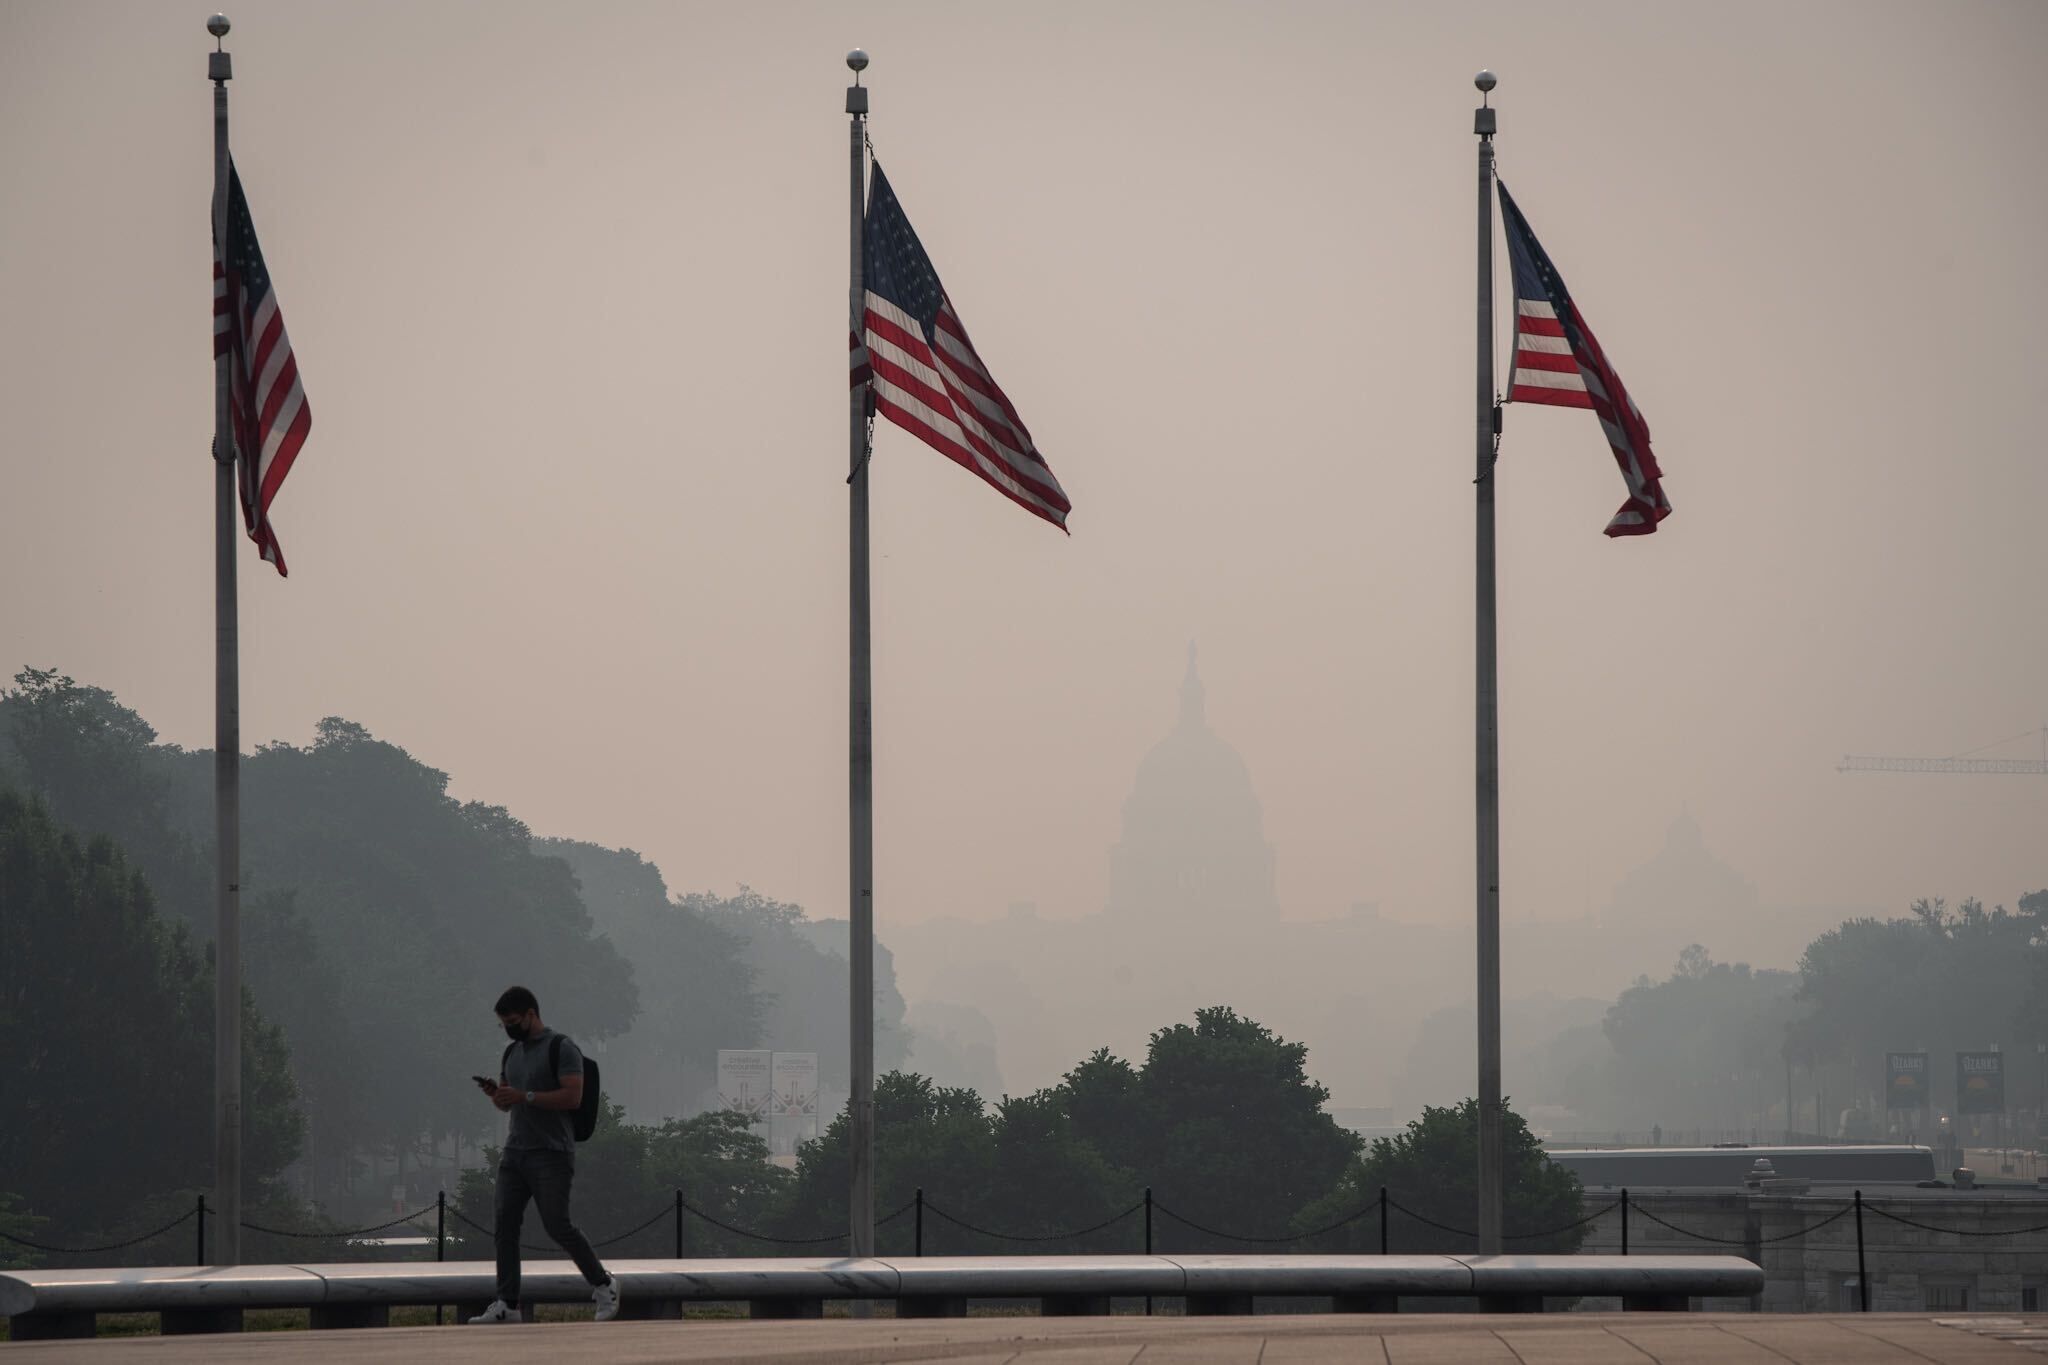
(485, 1083)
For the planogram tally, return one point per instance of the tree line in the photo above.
(380, 918)
(1727, 1050)
(380, 915)
(1220, 1120)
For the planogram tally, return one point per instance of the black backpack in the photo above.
(584, 1120)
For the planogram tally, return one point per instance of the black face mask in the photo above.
(516, 1032)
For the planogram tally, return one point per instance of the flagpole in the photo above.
(1491, 1166)
(227, 739)
(860, 1201)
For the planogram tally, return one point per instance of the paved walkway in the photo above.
(1420, 1339)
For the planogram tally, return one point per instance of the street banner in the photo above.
(1980, 1083)
(1905, 1080)
(744, 1082)
(793, 1109)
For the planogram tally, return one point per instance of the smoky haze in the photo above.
(568, 293)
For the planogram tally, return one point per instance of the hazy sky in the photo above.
(567, 285)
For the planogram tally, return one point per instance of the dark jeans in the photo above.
(543, 1177)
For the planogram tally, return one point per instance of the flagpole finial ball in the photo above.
(857, 60)
(218, 26)
(1485, 80)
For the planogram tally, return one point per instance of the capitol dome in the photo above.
(1194, 845)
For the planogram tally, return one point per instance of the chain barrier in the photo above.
(762, 1236)
(668, 1210)
(1952, 1232)
(664, 1212)
(93, 1251)
(1598, 1213)
(337, 1232)
(1554, 1232)
(1842, 1212)
(1187, 1222)
(930, 1207)
(1427, 1221)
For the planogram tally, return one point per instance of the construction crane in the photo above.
(1955, 763)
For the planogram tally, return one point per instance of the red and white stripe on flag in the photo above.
(947, 400)
(1558, 361)
(944, 395)
(925, 375)
(267, 407)
(1545, 370)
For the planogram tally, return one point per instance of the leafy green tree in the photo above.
(1222, 1121)
(96, 764)
(381, 916)
(1433, 1170)
(110, 1016)
(1056, 1183)
(925, 1136)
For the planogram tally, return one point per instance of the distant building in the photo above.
(1685, 885)
(1194, 844)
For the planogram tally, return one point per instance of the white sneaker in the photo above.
(498, 1312)
(606, 1297)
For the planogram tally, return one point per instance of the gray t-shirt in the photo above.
(526, 1068)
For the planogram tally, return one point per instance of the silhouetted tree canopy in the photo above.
(1704, 1043)
(1943, 978)
(698, 991)
(1221, 1121)
(1433, 1169)
(108, 1012)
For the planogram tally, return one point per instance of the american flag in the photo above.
(266, 404)
(923, 372)
(1558, 361)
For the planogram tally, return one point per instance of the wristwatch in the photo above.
(529, 1097)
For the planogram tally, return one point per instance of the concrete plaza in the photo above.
(1420, 1339)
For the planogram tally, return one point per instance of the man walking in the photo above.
(540, 1085)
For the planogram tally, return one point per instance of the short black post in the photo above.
(199, 1257)
(679, 1225)
(1862, 1271)
(440, 1237)
(1624, 1220)
(919, 1245)
(1383, 1220)
(1148, 1241)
